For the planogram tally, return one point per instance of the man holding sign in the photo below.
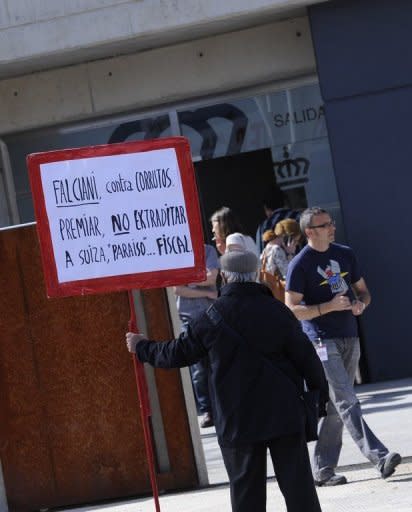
(258, 358)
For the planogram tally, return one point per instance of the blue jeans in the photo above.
(343, 409)
(200, 382)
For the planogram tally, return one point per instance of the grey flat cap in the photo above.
(242, 262)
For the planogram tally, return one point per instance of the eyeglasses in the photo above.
(324, 225)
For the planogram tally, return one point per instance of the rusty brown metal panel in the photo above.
(23, 437)
(70, 428)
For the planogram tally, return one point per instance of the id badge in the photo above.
(322, 352)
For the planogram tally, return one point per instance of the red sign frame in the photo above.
(154, 279)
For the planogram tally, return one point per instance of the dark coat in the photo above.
(255, 385)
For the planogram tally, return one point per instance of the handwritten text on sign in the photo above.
(116, 215)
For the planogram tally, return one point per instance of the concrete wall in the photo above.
(45, 34)
(175, 73)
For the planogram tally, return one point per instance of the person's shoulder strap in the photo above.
(264, 260)
(217, 320)
(214, 316)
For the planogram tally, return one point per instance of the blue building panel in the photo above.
(362, 46)
(366, 86)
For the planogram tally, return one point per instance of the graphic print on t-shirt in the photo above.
(334, 277)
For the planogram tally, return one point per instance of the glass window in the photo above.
(291, 123)
(22, 144)
(4, 210)
(286, 129)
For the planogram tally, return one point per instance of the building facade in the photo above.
(312, 96)
(241, 81)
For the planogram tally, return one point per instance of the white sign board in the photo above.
(106, 214)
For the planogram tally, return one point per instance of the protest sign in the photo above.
(117, 217)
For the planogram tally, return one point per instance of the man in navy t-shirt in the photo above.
(326, 291)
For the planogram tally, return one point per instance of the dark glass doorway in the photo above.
(240, 182)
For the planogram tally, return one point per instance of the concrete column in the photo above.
(3, 498)
(190, 400)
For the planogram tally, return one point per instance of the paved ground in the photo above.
(387, 408)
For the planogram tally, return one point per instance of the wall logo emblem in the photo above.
(291, 172)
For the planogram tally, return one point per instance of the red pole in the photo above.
(145, 411)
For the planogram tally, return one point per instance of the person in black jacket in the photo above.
(258, 361)
(276, 209)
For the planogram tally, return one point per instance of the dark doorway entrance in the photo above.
(240, 182)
